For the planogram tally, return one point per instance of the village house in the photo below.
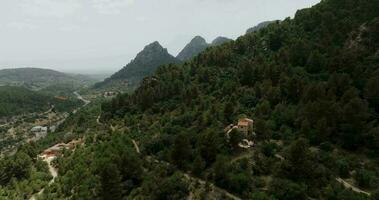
(244, 126)
(58, 148)
(110, 94)
(39, 131)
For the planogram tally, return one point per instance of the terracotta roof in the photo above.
(247, 120)
(243, 123)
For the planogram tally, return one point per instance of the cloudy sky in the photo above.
(103, 35)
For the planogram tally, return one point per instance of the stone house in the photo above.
(245, 126)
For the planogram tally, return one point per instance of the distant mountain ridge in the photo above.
(197, 45)
(37, 78)
(194, 47)
(20, 100)
(144, 64)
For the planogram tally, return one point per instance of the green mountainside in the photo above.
(309, 84)
(19, 100)
(35, 78)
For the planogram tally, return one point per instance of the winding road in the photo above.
(52, 170)
(78, 96)
(188, 176)
(352, 187)
(48, 159)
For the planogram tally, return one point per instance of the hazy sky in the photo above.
(103, 35)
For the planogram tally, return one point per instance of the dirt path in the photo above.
(214, 188)
(136, 146)
(188, 176)
(3, 125)
(98, 120)
(352, 187)
(78, 96)
(53, 171)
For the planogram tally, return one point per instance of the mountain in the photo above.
(197, 45)
(220, 40)
(35, 78)
(150, 58)
(310, 85)
(260, 26)
(144, 64)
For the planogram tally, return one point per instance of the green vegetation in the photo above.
(22, 174)
(19, 100)
(35, 78)
(309, 83)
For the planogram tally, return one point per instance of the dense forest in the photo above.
(36, 78)
(19, 100)
(309, 83)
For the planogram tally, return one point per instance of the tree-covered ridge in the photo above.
(309, 83)
(36, 78)
(19, 100)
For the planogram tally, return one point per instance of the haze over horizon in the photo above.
(97, 36)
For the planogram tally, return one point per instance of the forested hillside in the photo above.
(35, 78)
(19, 100)
(309, 84)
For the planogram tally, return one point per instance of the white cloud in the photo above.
(111, 6)
(69, 28)
(22, 25)
(49, 8)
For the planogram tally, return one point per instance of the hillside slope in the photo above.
(19, 100)
(36, 78)
(309, 84)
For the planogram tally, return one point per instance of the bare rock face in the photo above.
(197, 45)
(144, 64)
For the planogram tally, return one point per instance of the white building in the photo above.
(39, 131)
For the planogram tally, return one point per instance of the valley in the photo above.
(18, 130)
